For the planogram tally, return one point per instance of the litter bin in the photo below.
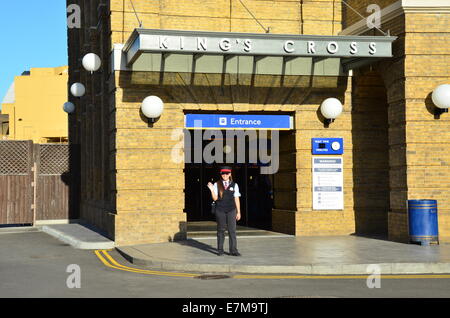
(423, 221)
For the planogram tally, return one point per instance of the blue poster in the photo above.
(237, 121)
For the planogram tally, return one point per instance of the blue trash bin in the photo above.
(423, 221)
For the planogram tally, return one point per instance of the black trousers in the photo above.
(226, 221)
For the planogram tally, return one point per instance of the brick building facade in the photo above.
(394, 147)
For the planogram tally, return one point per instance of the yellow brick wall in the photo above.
(427, 65)
(359, 8)
(321, 17)
(150, 197)
(135, 141)
(150, 209)
(418, 159)
(144, 151)
(370, 153)
(392, 71)
(309, 125)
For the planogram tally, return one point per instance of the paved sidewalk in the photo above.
(80, 236)
(293, 255)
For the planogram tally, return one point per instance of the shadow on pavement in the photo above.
(200, 245)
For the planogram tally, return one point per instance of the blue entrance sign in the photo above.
(237, 121)
(327, 146)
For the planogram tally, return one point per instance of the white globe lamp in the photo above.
(331, 108)
(92, 62)
(69, 107)
(227, 149)
(77, 90)
(441, 96)
(152, 107)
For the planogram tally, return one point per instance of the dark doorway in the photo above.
(255, 188)
(371, 165)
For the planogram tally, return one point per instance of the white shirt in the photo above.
(236, 190)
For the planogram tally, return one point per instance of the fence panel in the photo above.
(16, 192)
(52, 199)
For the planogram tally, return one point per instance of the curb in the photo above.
(76, 242)
(13, 230)
(308, 269)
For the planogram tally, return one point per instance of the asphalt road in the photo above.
(35, 264)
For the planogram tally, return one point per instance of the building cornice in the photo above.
(399, 8)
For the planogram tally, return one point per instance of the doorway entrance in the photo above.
(256, 189)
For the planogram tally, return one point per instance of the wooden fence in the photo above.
(16, 176)
(34, 182)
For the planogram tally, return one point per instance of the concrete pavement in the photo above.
(34, 264)
(332, 255)
(80, 236)
(265, 252)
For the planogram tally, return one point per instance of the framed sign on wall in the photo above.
(328, 183)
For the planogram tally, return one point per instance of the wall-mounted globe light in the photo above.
(92, 62)
(227, 149)
(77, 89)
(152, 107)
(69, 107)
(331, 108)
(441, 99)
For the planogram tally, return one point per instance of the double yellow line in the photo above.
(108, 261)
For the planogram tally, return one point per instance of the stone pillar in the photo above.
(285, 186)
(309, 124)
(417, 141)
(150, 196)
(427, 60)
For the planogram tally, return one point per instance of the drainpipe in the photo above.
(301, 16)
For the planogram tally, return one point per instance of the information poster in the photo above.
(328, 183)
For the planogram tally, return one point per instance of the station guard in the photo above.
(226, 194)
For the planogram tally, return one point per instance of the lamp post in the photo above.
(441, 99)
(330, 108)
(152, 107)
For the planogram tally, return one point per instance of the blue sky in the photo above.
(32, 34)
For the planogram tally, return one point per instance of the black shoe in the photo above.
(219, 253)
(235, 253)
